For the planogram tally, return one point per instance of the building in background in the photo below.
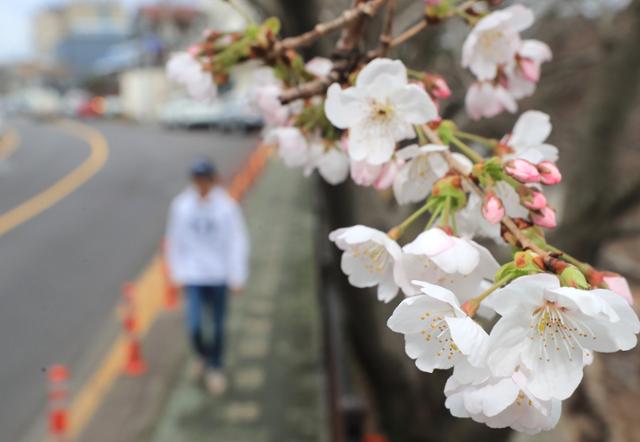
(77, 34)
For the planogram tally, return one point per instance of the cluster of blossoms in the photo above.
(507, 68)
(379, 123)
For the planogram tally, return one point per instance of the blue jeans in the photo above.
(210, 301)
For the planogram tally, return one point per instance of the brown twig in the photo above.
(366, 8)
(406, 35)
(409, 33)
(308, 89)
(387, 28)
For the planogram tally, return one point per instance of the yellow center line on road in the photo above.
(9, 143)
(67, 184)
(148, 302)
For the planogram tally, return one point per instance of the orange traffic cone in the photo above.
(58, 377)
(134, 365)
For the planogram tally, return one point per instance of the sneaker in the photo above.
(216, 382)
(196, 370)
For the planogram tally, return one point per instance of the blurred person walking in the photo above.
(207, 251)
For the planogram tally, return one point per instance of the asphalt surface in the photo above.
(61, 272)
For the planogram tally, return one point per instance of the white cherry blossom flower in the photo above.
(423, 167)
(458, 264)
(380, 176)
(332, 163)
(379, 110)
(501, 402)
(495, 41)
(292, 145)
(528, 138)
(523, 77)
(485, 100)
(183, 68)
(368, 258)
(552, 331)
(438, 334)
(267, 98)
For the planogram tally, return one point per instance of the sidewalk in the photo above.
(276, 390)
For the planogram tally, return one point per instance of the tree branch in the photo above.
(406, 35)
(387, 28)
(366, 8)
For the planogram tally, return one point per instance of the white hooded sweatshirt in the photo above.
(207, 240)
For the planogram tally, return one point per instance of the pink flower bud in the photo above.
(492, 208)
(530, 70)
(535, 200)
(440, 88)
(545, 217)
(436, 86)
(432, 2)
(618, 284)
(549, 173)
(522, 170)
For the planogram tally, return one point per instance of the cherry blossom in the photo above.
(550, 330)
(423, 167)
(184, 69)
(379, 110)
(527, 140)
(458, 264)
(267, 98)
(486, 99)
(501, 402)
(368, 258)
(437, 332)
(332, 163)
(523, 76)
(292, 145)
(495, 41)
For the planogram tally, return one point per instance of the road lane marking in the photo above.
(9, 143)
(67, 184)
(149, 302)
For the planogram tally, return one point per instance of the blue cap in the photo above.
(202, 167)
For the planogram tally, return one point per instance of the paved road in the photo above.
(60, 272)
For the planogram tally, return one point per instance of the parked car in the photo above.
(226, 113)
(238, 114)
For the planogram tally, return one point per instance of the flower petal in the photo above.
(509, 299)
(414, 105)
(393, 69)
(531, 129)
(344, 108)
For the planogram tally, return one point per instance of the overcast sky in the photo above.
(15, 23)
